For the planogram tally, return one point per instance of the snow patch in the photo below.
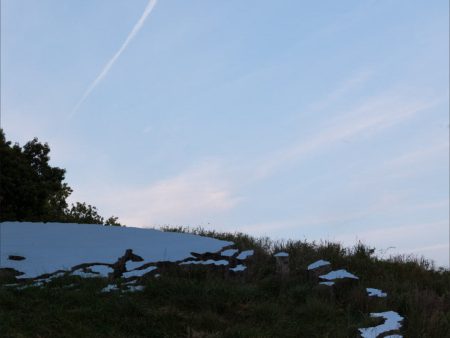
(327, 283)
(318, 264)
(102, 270)
(138, 273)
(130, 265)
(281, 254)
(11, 285)
(245, 254)
(392, 322)
(81, 273)
(376, 293)
(229, 252)
(338, 274)
(238, 268)
(109, 288)
(208, 262)
(134, 288)
(49, 279)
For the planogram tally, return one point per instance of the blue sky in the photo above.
(293, 119)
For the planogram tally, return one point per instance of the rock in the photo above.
(120, 266)
(282, 267)
(16, 258)
(9, 273)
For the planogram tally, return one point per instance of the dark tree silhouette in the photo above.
(32, 190)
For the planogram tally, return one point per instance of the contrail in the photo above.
(137, 27)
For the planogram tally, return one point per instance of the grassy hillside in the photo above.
(203, 301)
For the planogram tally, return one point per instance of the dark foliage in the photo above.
(32, 190)
(86, 213)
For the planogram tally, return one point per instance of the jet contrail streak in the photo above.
(137, 27)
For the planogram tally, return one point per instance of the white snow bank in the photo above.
(281, 254)
(391, 323)
(318, 264)
(229, 252)
(327, 283)
(245, 254)
(338, 274)
(394, 336)
(48, 247)
(138, 273)
(375, 292)
(238, 268)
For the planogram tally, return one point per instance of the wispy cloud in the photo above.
(345, 87)
(420, 155)
(367, 119)
(195, 195)
(137, 27)
(387, 203)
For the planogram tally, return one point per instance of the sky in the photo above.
(318, 120)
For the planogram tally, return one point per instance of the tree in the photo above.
(86, 213)
(32, 190)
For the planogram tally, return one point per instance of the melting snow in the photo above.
(134, 288)
(338, 274)
(208, 262)
(138, 273)
(318, 264)
(50, 247)
(26, 286)
(103, 270)
(83, 274)
(10, 285)
(392, 323)
(229, 252)
(211, 261)
(239, 267)
(281, 254)
(109, 288)
(245, 254)
(130, 265)
(49, 279)
(376, 293)
(327, 283)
